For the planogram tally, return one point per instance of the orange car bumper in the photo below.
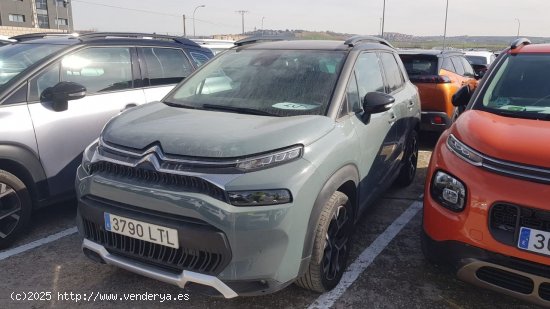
(484, 189)
(467, 240)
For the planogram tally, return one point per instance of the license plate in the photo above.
(142, 230)
(534, 241)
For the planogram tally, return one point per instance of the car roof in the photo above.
(327, 45)
(533, 48)
(429, 52)
(107, 38)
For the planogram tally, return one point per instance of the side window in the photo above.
(458, 65)
(354, 101)
(394, 77)
(46, 79)
(99, 69)
(448, 65)
(468, 70)
(199, 58)
(166, 66)
(369, 74)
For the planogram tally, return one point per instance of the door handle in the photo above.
(128, 106)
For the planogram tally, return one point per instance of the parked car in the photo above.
(57, 92)
(480, 60)
(438, 75)
(216, 46)
(251, 186)
(486, 209)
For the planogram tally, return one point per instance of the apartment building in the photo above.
(36, 14)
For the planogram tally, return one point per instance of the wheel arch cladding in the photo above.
(345, 180)
(26, 166)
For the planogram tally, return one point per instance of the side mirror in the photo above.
(62, 93)
(377, 102)
(462, 96)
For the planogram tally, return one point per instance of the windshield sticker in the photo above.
(294, 106)
(515, 108)
(502, 101)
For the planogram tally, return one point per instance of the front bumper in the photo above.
(518, 278)
(96, 251)
(259, 249)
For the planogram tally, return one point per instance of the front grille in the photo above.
(517, 170)
(170, 259)
(506, 220)
(544, 291)
(183, 182)
(506, 280)
(503, 222)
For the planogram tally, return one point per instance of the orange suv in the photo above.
(438, 75)
(487, 196)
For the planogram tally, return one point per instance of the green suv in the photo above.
(251, 174)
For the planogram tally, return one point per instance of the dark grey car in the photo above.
(251, 174)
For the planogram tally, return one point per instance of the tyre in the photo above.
(331, 245)
(15, 208)
(408, 170)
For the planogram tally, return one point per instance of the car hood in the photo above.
(510, 139)
(212, 134)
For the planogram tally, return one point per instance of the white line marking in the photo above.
(37, 243)
(366, 258)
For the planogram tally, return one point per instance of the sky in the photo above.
(416, 17)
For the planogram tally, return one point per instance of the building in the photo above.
(27, 16)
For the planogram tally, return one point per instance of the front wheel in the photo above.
(15, 208)
(408, 170)
(331, 246)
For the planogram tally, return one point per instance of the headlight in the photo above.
(270, 160)
(449, 191)
(463, 151)
(88, 155)
(260, 197)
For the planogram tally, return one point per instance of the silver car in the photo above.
(57, 92)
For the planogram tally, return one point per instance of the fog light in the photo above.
(448, 191)
(260, 197)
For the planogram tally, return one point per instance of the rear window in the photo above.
(420, 65)
(477, 60)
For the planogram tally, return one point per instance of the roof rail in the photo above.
(34, 36)
(519, 42)
(135, 35)
(262, 38)
(354, 40)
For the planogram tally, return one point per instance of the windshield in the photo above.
(263, 82)
(15, 58)
(520, 87)
(477, 60)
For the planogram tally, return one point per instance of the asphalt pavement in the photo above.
(387, 269)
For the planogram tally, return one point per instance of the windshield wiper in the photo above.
(518, 114)
(173, 104)
(241, 110)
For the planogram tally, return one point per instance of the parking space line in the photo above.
(37, 243)
(366, 258)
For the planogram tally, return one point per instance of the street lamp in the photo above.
(263, 25)
(519, 26)
(445, 31)
(383, 18)
(194, 11)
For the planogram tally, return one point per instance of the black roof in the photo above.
(429, 52)
(326, 45)
(106, 38)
